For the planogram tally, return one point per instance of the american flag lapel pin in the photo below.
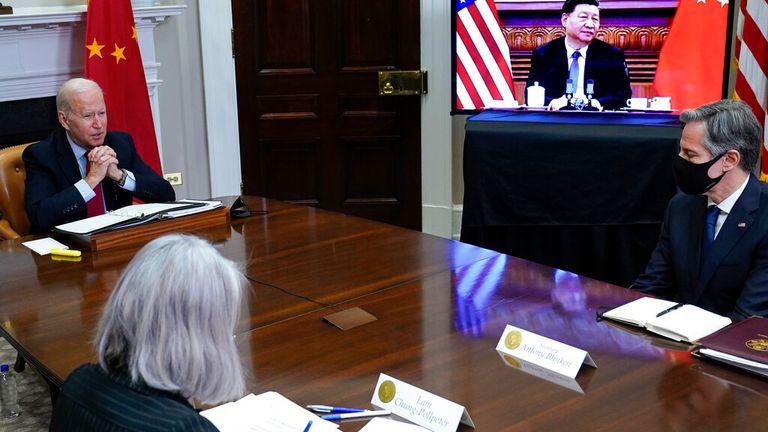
(741, 225)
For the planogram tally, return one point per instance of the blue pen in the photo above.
(309, 425)
(362, 414)
(333, 409)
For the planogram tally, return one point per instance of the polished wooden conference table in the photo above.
(441, 307)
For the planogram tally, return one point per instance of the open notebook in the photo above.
(135, 215)
(680, 322)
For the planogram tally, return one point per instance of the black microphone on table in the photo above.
(239, 209)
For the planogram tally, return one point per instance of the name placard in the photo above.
(542, 351)
(419, 406)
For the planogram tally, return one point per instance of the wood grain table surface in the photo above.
(441, 307)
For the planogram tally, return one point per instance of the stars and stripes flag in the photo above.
(113, 60)
(751, 62)
(483, 72)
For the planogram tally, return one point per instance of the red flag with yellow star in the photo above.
(113, 60)
(692, 59)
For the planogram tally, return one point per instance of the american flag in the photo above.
(751, 59)
(483, 72)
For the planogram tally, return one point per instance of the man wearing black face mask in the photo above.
(713, 247)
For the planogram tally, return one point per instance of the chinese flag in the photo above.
(692, 59)
(113, 60)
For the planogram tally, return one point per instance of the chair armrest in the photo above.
(6, 232)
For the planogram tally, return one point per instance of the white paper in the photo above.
(119, 216)
(379, 424)
(266, 412)
(87, 225)
(43, 246)
(143, 210)
(639, 312)
(688, 323)
(208, 205)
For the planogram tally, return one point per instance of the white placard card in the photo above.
(419, 406)
(542, 351)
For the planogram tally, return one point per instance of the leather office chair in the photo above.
(14, 222)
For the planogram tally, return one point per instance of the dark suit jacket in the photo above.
(733, 281)
(604, 64)
(51, 197)
(94, 400)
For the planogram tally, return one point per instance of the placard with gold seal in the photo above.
(543, 351)
(419, 406)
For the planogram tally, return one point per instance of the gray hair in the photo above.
(169, 322)
(730, 125)
(75, 85)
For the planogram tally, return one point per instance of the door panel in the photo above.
(313, 128)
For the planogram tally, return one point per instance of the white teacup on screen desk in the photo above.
(535, 95)
(637, 103)
(661, 103)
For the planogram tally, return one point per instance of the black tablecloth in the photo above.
(584, 192)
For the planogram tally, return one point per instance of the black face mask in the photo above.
(693, 178)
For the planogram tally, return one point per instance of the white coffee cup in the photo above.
(661, 103)
(637, 103)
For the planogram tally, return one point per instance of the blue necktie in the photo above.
(573, 71)
(709, 232)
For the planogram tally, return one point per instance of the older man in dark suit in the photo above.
(580, 57)
(82, 170)
(713, 247)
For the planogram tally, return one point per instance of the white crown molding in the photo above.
(58, 30)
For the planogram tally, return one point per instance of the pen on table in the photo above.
(668, 310)
(332, 409)
(66, 252)
(309, 425)
(361, 414)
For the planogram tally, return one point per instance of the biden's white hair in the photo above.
(169, 321)
(71, 87)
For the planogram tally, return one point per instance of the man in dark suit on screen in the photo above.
(81, 170)
(580, 57)
(713, 247)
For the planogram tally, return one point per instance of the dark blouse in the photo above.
(94, 400)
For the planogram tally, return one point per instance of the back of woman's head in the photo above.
(170, 319)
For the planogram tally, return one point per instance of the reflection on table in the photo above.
(441, 307)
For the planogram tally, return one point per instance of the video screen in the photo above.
(612, 55)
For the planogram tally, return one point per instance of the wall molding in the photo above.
(60, 30)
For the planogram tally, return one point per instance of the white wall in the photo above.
(182, 106)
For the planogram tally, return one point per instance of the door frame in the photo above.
(223, 136)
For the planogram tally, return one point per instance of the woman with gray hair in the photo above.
(164, 341)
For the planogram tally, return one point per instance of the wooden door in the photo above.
(313, 128)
